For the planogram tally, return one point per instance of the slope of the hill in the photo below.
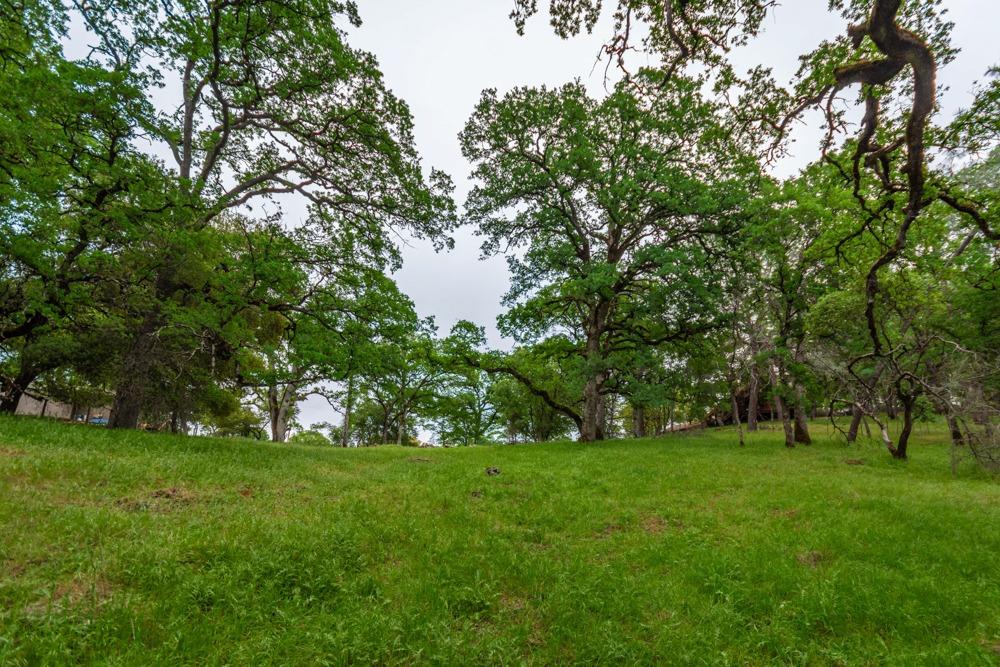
(135, 548)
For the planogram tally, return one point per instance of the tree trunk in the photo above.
(891, 409)
(137, 370)
(736, 412)
(603, 417)
(801, 418)
(638, 421)
(14, 389)
(278, 406)
(779, 407)
(591, 407)
(590, 427)
(753, 400)
(957, 439)
(904, 435)
(345, 432)
(856, 416)
(591, 396)
(400, 427)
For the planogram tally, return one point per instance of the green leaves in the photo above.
(622, 206)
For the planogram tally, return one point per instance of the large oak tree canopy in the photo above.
(271, 103)
(619, 209)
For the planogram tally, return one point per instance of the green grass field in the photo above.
(135, 548)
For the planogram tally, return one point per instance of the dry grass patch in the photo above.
(75, 593)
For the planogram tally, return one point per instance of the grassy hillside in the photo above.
(134, 548)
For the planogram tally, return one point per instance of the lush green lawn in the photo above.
(133, 548)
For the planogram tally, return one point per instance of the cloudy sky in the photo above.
(439, 55)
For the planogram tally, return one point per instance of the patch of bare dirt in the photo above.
(654, 525)
(537, 635)
(790, 513)
(609, 530)
(419, 459)
(15, 568)
(854, 462)
(160, 499)
(77, 592)
(8, 451)
(513, 602)
(811, 558)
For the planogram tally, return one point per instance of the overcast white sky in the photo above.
(439, 55)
